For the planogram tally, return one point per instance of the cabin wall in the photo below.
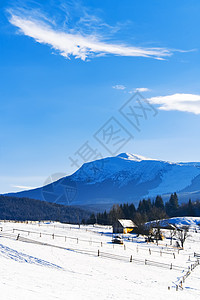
(117, 228)
(128, 230)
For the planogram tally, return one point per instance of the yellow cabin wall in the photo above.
(127, 230)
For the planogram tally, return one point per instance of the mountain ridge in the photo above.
(123, 178)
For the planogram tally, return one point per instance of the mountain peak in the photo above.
(134, 157)
(123, 178)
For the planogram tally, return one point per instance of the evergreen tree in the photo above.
(115, 214)
(144, 206)
(190, 209)
(159, 203)
(92, 219)
(132, 211)
(172, 205)
(147, 210)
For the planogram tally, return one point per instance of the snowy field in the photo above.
(60, 261)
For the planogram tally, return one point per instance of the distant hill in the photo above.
(178, 221)
(120, 179)
(21, 209)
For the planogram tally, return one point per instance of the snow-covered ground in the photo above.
(60, 261)
(193, 222)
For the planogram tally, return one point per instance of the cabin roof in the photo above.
(126, 223)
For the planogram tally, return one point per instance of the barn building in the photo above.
(123, 226)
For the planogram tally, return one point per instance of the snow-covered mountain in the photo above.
(123, 178)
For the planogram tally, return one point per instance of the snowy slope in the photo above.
(124, 178)
(180, 221)
(38, 266)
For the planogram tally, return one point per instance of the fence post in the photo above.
(124, 247)
(149, 251)
(174, 255)
(171, 267)
(77, 240)
(160, 253)
(131, 258)
(40, 234)
(65, 238)
(98, 253)
(145, 262)
(101, 244)
(53, 236)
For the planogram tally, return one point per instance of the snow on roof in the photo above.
(126, 223)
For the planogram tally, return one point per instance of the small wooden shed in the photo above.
(123, 226)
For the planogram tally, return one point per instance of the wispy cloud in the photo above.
(119, 87)
(77, 43)
(178, 102)
(140, 90)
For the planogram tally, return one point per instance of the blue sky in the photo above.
(67, 67)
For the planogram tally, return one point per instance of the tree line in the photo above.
(22, 209)
(147, 210)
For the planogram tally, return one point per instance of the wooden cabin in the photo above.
(123, 226)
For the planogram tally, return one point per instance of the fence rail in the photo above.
(100, 243)
(197, 255)
(98, 253)
(179, 285)
(53, 235)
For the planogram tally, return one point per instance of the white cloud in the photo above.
(179, 102)
(119, 87)
(80, 45)
(142, 89)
